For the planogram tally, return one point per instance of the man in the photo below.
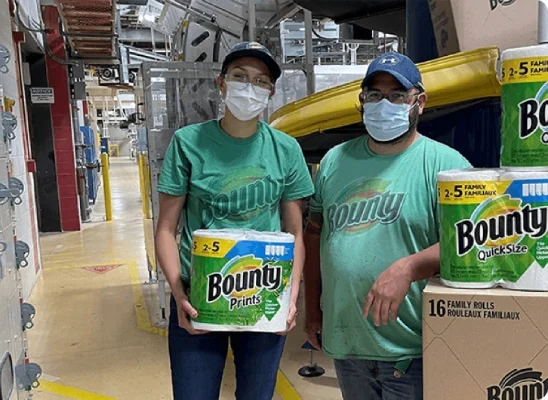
(236, 172)
(372, 239)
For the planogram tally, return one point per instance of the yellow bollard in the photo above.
(106, 185)
(144, 181)
(146, 198)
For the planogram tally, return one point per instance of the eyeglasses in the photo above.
(396, 96)
(260, 82)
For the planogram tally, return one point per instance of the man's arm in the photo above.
(424, 264)
(392, 285)
(292, 216)
(312, 278)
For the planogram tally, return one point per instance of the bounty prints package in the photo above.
(524, 102)
(494, 228)
(241, 280)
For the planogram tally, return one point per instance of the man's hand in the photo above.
(392, 286)
(388, 292)
(184, 310)
(313, 330)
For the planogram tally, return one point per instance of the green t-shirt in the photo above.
(232, 183)
(376, 209)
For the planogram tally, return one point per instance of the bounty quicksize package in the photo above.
(524, 78)
(241, 280)
(494, 228)
(524, 230)
(462, 195)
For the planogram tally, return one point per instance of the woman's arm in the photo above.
(167, 249)
(292, 216)
(167, 252)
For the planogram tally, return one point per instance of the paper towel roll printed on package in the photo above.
(461, 194)
(241, 280)
(494, 229)
(525, 106)
(525, 266)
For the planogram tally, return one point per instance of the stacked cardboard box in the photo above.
(484, 344)
(462, 25)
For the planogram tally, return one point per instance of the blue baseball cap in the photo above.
(256, 50)
(399, 66)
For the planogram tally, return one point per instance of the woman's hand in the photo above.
(291, 320)
(184, 312)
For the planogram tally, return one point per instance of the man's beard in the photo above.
(404, 136)
(397, 140)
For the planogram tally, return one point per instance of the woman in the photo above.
(236, 172)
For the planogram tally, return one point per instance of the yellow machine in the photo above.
(448, 81)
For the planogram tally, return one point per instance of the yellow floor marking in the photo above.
(47, 266)
(70, 392)
(283, 387)
(105, 258)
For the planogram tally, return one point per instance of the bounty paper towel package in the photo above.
(526, 227)
(494, 228)
(241, 280)
(524, 97)
(461, 196)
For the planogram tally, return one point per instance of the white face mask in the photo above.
(386, 121)
(246, 103)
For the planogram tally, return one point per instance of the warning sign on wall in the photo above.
(42, 95)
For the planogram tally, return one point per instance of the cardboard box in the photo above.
(463, 25)
(484, 344)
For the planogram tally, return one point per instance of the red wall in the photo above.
(65, 163)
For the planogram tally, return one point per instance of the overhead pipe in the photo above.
(20, 20)
(309, 56)
(252, 20)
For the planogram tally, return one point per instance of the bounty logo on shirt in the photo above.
(363, 204)
(242, 194)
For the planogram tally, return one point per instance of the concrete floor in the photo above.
(98, 332)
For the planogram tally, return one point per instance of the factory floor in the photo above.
(98, 330)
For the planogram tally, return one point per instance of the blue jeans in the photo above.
(378, 380)
(198, 362)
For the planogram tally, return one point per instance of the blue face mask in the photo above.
(386, 121)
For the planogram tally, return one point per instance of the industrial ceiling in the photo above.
(89, 26)
(379, 15)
